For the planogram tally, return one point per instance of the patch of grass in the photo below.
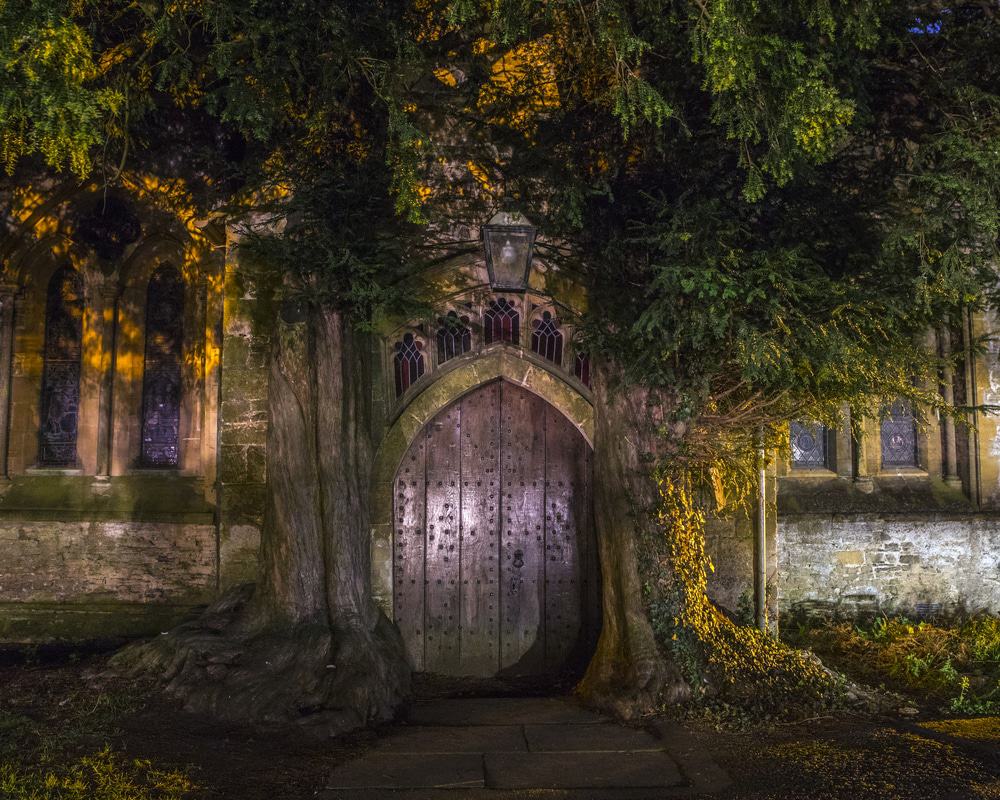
(954, 665)
(980, 729)
(103, 775)
(58, 728)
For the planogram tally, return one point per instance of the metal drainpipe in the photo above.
(975, 474)
(760, 540)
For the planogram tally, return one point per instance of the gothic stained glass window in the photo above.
(453, 337)
(408, 362)
(899, 436)
(808, 445)
(60, 404)
(546, 338)
(161, 377)
(581, 368)
(502, 322)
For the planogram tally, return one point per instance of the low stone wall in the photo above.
(860, 564)
(88, 580)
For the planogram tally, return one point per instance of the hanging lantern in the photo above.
(509, 240)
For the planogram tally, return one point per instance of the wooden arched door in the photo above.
(494, 563)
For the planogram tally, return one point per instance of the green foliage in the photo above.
(104, 775)
(51, 101)
(955, 665)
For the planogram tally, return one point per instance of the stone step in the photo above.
(379, 770)
(604, 770)
(502, 711)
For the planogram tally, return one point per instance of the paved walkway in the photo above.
(499, 748)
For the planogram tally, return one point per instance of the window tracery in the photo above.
(899, 436)
(502, 322)
(454, 337)
(809, 445)
(161, 380)
(546, 338)
(60, 400)
(581, 368)
(408, 363)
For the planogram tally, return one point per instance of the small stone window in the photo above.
(546, 338)
(454, 337)
(502, 322)
(60, 401)
(161, 375)
(408, 363)
(809, 445)
(899, 436)
(581, 368)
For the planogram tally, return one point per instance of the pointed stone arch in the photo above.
(500, 363)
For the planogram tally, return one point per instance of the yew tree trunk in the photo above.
(630, 673)
(307, 642)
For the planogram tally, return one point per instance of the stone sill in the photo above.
(74, 515)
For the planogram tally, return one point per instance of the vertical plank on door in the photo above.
(442, 562)
(408, 551)
(480, 608)
(522, 553)
(565, 547)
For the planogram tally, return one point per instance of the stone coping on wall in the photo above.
(88, 622)
(129, 498)
(930, 516)
(917, 494)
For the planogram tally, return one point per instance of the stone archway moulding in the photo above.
(452, 385)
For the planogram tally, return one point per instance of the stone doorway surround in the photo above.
(499, 362)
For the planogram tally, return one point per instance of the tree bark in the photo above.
(307, 643)
(629, 673)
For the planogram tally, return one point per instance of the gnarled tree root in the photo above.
(230, 664)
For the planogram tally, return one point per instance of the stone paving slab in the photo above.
(647, 770)
(453, 739)
(515, 748)
(507, 794)
(377, 770)
(606, 737)
(502, 711)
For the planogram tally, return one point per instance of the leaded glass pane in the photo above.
(408, 363)
(581, 368)
(161, 377)
(808, 445)
(899, 436)
(546, 338)
(453, 337)
(60, 402)
(502, 322)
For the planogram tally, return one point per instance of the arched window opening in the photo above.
(899, 436)
(546, 338)
(809, 445)
(581, 368)
(161, 378)
(60, 402)
(502, 322)
(408, 362)
(454, 337)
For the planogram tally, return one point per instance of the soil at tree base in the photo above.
(849, 758)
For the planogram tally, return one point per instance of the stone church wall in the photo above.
(242, 435)
(95, 580)
(860, 564)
